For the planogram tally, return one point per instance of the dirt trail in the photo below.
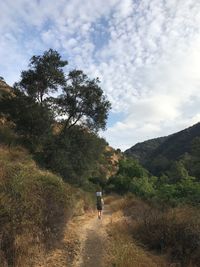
(86, 244)
(82, 244)
(92, 238)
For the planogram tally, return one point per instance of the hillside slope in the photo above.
(168, 148)
(35, 206)
(141, 151)
(5, 88)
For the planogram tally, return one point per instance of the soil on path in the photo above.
(93, 238)
(82, 244)
(86, 240)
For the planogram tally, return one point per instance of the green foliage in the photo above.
(158, 154)
(83, 101)
(131, 168)
(175, 188)
(142, 151)
(44, 76)
(132, 177)
(142, 187)
(74, 155)
(196, 147)
(32, 121)
(167, 194)
(185, 191)
(159, 164)
(119, 183)
(192, 161)
(177, 172)
(60, 131)
(99, 180)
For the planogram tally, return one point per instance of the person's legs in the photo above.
(99, 214)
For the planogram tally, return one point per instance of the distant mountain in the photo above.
(141, 151)
(156, 154)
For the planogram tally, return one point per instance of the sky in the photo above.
(145, 52)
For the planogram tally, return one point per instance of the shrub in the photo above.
(176, 232)
(34, 207)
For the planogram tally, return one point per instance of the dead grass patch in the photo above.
(35, 206)
(123, 251)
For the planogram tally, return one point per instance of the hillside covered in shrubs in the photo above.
(175, 187)
(35, 205)
(50, 155)
(52, 160)
(163, 209)
(158, 154)
(56, 116)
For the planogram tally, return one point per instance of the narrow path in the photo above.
(86, 244)
(92, 238)
(82, 244)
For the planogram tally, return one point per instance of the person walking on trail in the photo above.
(100, 203)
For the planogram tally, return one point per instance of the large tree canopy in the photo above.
(83, 102)
(59, 129)
(44, 76)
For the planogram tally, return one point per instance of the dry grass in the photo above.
(174, 232)
(111, 199)
(124, 251)
(35, 206)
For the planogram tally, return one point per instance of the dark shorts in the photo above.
(99, 207)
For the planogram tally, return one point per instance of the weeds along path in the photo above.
(82, 244)
(93, 239)
(90, 242)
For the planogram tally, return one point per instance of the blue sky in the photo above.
(146, 54)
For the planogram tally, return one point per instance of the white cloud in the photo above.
(146, 53)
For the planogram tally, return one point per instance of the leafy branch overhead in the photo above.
(56, 115)
(44, 76)
(82, 100)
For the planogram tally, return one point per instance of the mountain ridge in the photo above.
(171, 147)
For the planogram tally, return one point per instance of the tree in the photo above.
(74, 156)
(61, 131)
(195, 147)
(44, 76)
(193, 163)
(131, 168)
(177, 172)
(83, 102)
(32, 121)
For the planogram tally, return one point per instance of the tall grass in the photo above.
(174, 232)
(34, 207)
(122, 249)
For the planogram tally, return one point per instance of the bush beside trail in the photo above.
(34, 207)
(122, 248)
(173, 232)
